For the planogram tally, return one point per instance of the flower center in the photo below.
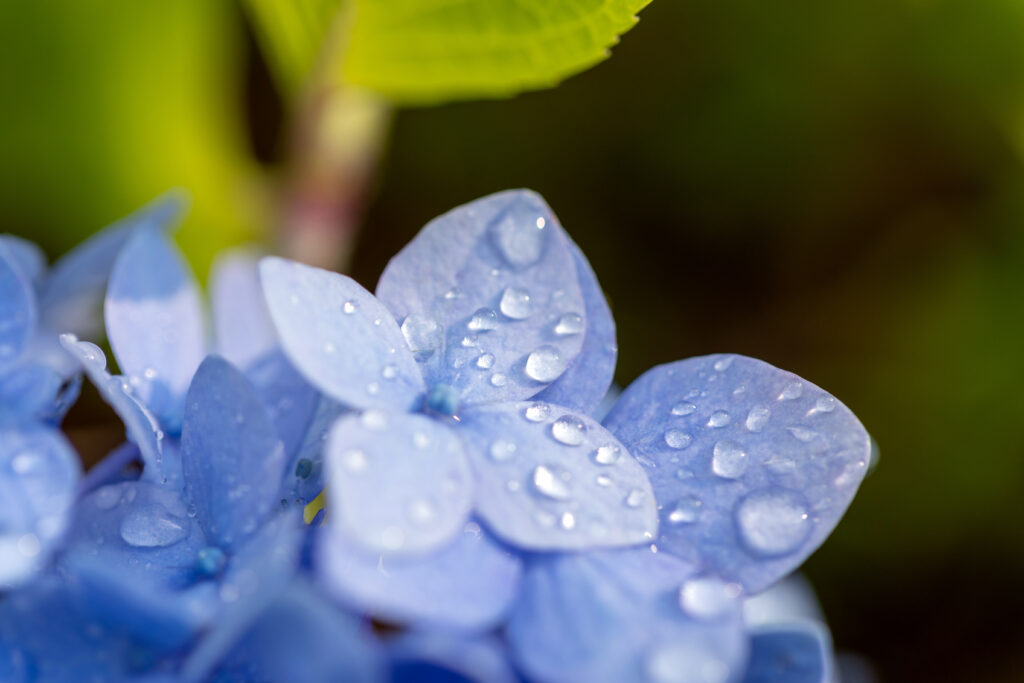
(443, 400)
(210, 560)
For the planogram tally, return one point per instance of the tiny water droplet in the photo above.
(773, 522)
(685, 408)
(516, 303)
(498, 380)
(519, 235)
(485, 361)
(719, 419)
(373, 388)
(545, 364)
(569, 324)
(825, 404)
(420, 440)
(607, 455)
(568, 521)
(484, 320)
(729, 460)
(757, 418)
(453, 293)
(469, 341)
(502, 450)
(792, 391)
(686, 510)
(389, 371)
(722, 364)
(677, 439)
(547, 484)
(374, 420)
(152, 526)
(603, 480)
(349, 307)
(569, 430)
(635, 498)
(107, 497)
(537, 412)
(422, 511)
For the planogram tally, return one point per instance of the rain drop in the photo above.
(677, 439)
(635, 498)
(728, 460)
(516, 303)
(349, 307)
(502, 450)
(686, 511)
(545, 364)
(757, 418)
(485, 361)
(151, 526)
(607, 455)
(723, 364)
(547, 484)
(537, 412)
(498, 380)
(802, 434)
(569, 324)
(355, 461)
(773, 522)
(389, 371)
(107, 498)
(568, 521)
(708, 598)
(719, 419)
(825, 404)
(569, 430)
(484, 320)
(422, 335)
(792, 391)
(519, 235)
(684, 408)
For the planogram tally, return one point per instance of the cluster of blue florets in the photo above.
(424, 483)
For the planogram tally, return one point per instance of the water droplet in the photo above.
(719, 419)
(729, 460)
(757, 418)
(422, 511)
(792, 391)
(825, 404)
(453, 293)
(349, 307)
(502, 450)
(569, 430)
(607, 455)
(107, 497)
(545, 364)
(485, 361)
(516, 303)
(683, 409)
(568, 521)
(569, 324)
(484, 320)
(422, 335)
(773, 522)
(498, 380)
(686, 511)
(374, 420)
(537, 412)
(723, 364)
(469, 341)
(603, 480)
(802, 434)
(389, 371)
(677, 439)
(355, 461)
(519, 235)
(708, 598)
(152, 526)
(635, 498)
(546, 483)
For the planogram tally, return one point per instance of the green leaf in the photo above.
(426, 51)
(419, 51)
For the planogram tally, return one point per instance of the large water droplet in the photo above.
(792, 391)
(502, 450)
(677, 439)
(607, 455)
(516, 303)
(537, 412)
(569, 324)
(519, 235)
(708, 598)
(422, 335)
(684, 408)
(547, 483)
(635, 498)
(545, 364)
(686, 510)
(773, 522)
(152, 526)
(484, 320)
(569, 430)
(485, 361)
(719, 419)
(757, 418)
(825, 404)
(729, 460)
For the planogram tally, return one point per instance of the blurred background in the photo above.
(837, 188)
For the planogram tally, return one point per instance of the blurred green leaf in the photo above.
(425, 51)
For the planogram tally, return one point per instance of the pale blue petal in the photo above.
(593, 617)
(586, 381)
(140, 426)
(800, 652)
(448, 285)
(231, 459)
(39, 473)
(291, 402)
(752, 466)
(241, 321)
(299, 638)
(154, 319)
(442, 657)
(26, 257)
(30, 391)
(397, 483)
(114, 468)
(72, 296)
(308, 480)
(468, 584)
(17, 311)
(548, 479)
(790, 599)
(340, 337)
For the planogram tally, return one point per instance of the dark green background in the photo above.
(835, 187)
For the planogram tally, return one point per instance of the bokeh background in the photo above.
(837, 188)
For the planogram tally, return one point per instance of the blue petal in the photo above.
(140, 530)
(752, 466)
(440, 657)
(72, 296)
(26, 257)
(30, 390)
(397, 483)
(301, 639)
(548, 479)
(468, 584)
(231, 459)
(586, 381)
(340, 337)
(17, 311)
(800, 652)
(290, 401)
(305, 487)
(140, 426)
(241, 321)
(483, 288)
(791, 599)
(154, 321)
(39, 473)
(594, 617)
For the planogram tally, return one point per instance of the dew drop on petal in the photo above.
(773, 522)
(519, 236)
(422, 335)
(729, 460)
(545, 364)
(723, 364)
(484, 320)
(107, 497)
(548, 484)
(569, 430)
(516, 303)
(684, 408)
(485, 361)
(389, 371)
(537, 412)
(757, 418)
(603, 480)
(677, 439)
(635, 498)
(569, 324)
(607, 455)
(719, 419)
(708, 598)
(498, 380)
(792, 391)
(568, 521)
(686, 510)
(374, 420)
(349, 307)
(825, 404)
(151, 526)
(802, 434)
